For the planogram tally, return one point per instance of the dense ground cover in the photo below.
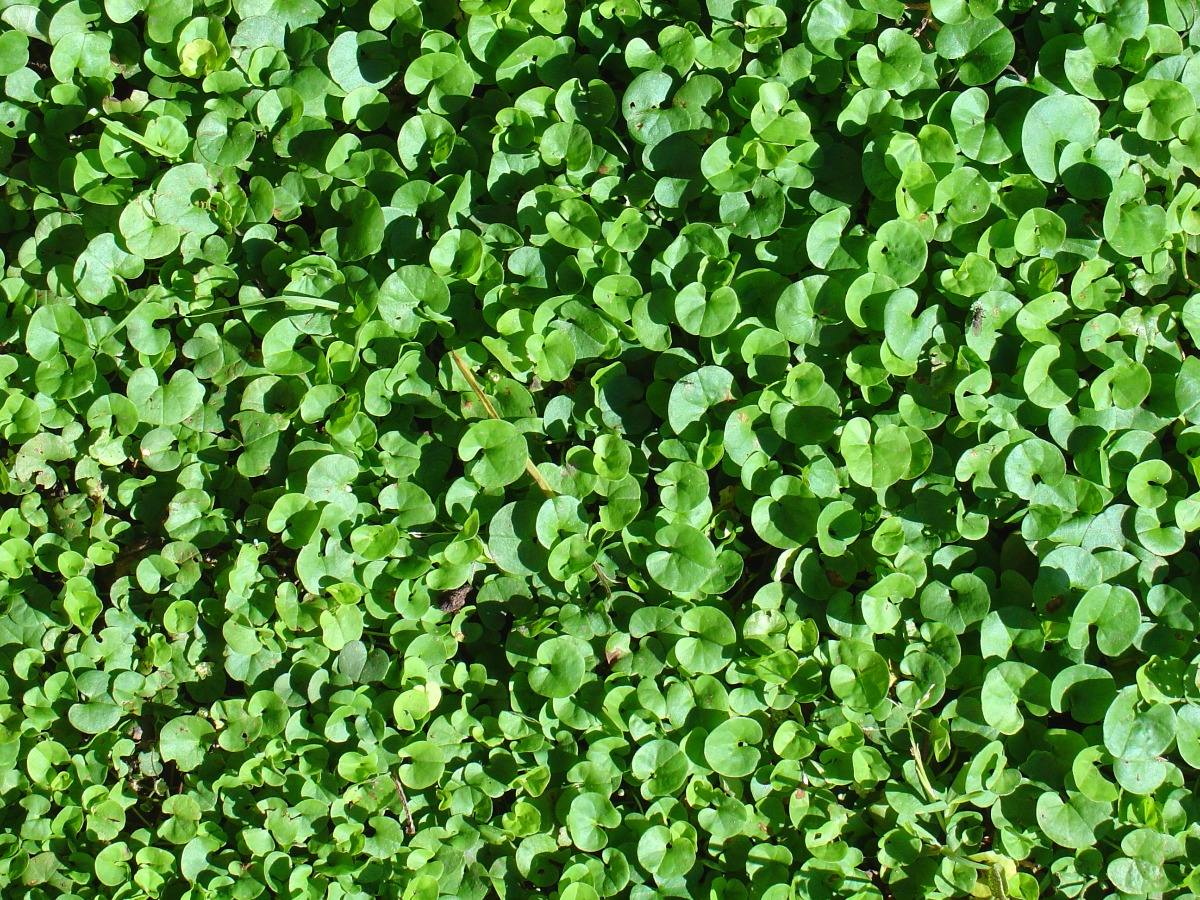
(527, 448)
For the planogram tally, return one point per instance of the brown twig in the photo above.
(927, 20)
(410, 827)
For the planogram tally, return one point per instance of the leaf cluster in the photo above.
(739, 448)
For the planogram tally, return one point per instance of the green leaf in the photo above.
(731, 748)
(423, 764)
(562, 667)
(686, 562)
(495, 451)
(874, 457)
(1052, 122)
(1115, 613)
(1071, 822)
(704, 314)
(1137, 734)
(667, 852)
(95, 717)
(710, 632)
(184, 740)
(899, 250)
(341, 626)
(982, 48)
(81, 603)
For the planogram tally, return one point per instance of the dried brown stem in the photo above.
(410, 827)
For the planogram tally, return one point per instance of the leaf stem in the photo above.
(922, 775)
(1183, 255)
(130, 134)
